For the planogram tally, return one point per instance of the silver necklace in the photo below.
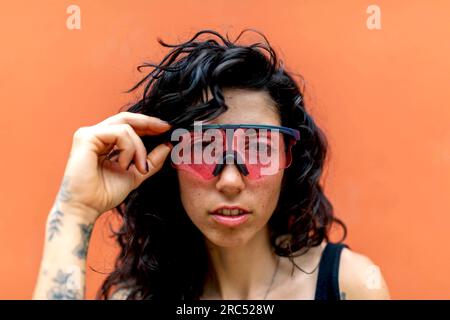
(273, 278)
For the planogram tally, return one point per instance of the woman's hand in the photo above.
(98, 182)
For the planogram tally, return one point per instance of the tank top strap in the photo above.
(327, 287)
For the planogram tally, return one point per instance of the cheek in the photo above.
(190, 191)
(265, 193)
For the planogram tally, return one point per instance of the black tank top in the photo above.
(328, 279)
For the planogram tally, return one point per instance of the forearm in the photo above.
(63, 267)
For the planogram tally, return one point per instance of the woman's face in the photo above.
(230, 188)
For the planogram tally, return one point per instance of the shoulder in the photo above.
(120, 294)
(360, 278)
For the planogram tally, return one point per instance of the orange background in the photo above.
(381, 96)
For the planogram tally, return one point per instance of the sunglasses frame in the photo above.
(292, 132)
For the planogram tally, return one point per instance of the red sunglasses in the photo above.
(256, 150)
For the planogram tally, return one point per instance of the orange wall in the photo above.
(381, 95)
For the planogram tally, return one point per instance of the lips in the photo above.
(230, 211)
(230, 216)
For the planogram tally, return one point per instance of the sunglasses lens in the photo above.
(256, 152)
(266, 155)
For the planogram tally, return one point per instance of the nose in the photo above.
(230, 180)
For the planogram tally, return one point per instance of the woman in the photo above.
(177, 239)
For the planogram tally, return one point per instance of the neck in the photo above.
(242, 272)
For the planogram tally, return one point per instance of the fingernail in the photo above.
(164, 122)
(167, 143)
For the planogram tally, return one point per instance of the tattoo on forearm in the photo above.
(56, 216)
(64, 194)
(55, 223)
(343, 297)
(81, 250)
(66, 286)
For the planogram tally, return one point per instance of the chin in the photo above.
(230, 239)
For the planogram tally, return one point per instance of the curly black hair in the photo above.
(162, 254)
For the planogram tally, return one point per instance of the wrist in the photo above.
(71, 227)
(78, 213)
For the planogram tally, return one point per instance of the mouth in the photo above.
(230, 216)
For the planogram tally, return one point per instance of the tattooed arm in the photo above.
(95, 181)
(62, 272)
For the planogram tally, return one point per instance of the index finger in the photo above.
(141, 123)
